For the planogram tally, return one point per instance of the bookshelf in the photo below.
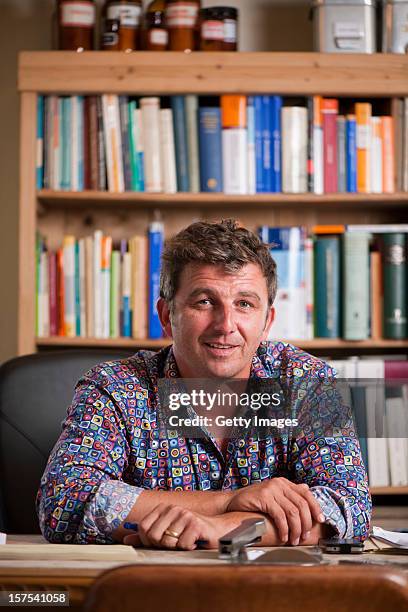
(56, 213)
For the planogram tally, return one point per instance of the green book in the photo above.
(356, 285)
(394, 264)
(192, 142)
(115, 295)
(327, 286)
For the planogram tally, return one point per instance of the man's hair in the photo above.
(223, 244)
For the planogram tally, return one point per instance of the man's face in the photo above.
(218, 320)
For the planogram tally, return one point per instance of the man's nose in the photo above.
(224, 319)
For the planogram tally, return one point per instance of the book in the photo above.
(105, 272)
(69, 286)
(388, 154)
(363, 111)
(167, 151)
(113, 143)
(138, 248)
(341, 155)
(234, 144)
(259, 171)
(266, 126)
(318, 151)
(294, 149)
(126, 286)
(124, 128)
(330, 109)
(93, 142)
(114, 327)
(376, 296)
(394, 273)
(155, 240)
(327, 286)
(276, 144)
(150, 110)
(133, 147)
(178, 106)
(251, 145)
(39, 165)
(97, 284)
(191, 105)
(376, 156)
(356, 286)
(351, 158)
(210, 149)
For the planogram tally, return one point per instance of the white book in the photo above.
(89, 286)
(167, 151)
(235, 161)
(69, 286)
(380, 228)
(376, 160)
(251, 149)
(377, 443)
(113, 143)
(97, 283)
(318, 158)
(82, 287)
(191, 102)
(294, 149)
(150, 108)
(397, 423)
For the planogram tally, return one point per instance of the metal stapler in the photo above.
(232, 545)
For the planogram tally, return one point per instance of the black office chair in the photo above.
(35, 392)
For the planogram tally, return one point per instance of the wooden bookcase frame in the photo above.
(144, 73)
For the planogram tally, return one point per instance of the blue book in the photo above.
(276, 163)
(210, 144)
(251, 145)
(40, 142)
(77, 292)
(351, 154)
(327, 296)
(178, 106)
(126, 318)
(266, 143)
(81, 155)
(260, 185)
(156, 238)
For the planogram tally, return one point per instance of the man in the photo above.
(112, 462)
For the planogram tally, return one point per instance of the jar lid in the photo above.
(219, 12)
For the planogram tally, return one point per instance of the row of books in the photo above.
(233, 144)
(379, 396)
(343, 281)
(350, 284)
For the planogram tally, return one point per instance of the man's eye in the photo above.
(204, 301)
(245, 304)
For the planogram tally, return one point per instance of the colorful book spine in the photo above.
(67, 140)
(251, 146)
(363, 119)
(126, 325)
(318, 153)
(210, 149)
(155, 237)
(234, 144)
(330, 109)
(388, 154)
(133, 155)
(356, 286)
(77, 291)
(341, 154)
(191, 103)
(178, 106)
(266, 122)
(102, 176)
(113, 143)
(327, 286)
(124, 127)
(351, 161)
(97, 283)
(276, 144)
(52, 283)
(69, 286)
(150, 108)
(106, 254)
(114, 327)
(258, 110)
(39, 167)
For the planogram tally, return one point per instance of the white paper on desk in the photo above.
(3, 538)
(254, 553)
(391, 537)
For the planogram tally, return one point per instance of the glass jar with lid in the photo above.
(218, 28)
(128, 13)
(76, 25)
(156, 36)
(182, 24)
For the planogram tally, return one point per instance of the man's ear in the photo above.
(268, 324)
(164, 316)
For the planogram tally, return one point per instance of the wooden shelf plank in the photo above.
(318, 343)
(208, 200)
(389, 490)
(340, 74)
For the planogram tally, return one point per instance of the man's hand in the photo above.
(188, 525)
(292, 507)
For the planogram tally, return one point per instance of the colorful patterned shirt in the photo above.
(110, 450)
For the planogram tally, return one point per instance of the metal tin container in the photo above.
(395, 26)
(344, 26)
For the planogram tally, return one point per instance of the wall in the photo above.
(265, 25)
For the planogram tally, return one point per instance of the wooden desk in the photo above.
(77, 575)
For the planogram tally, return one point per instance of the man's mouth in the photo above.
(219, 348)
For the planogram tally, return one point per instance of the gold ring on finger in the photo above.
(172, 534)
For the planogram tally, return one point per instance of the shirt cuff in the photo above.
(107, 509)
(335, 510)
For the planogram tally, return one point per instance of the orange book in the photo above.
(233, 111)
(376, 297)
(388, 154)
(363, 118)
(138, 247)
(328, 229)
